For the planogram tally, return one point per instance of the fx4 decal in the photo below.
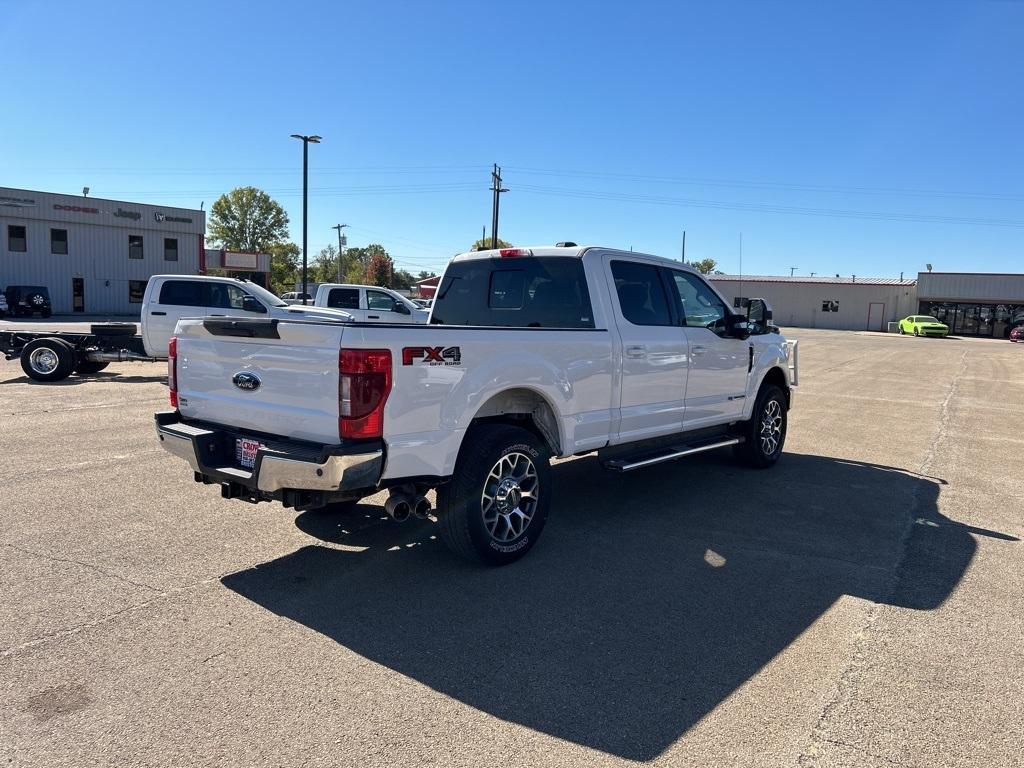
(432, 355)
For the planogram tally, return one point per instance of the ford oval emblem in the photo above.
(246, 380)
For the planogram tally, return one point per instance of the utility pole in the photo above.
(684, 246)
(497, 189)
(341, 245)
(483, 236)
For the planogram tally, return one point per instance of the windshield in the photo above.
(927, 320)
(264, 295)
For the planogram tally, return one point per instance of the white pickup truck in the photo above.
(529, 354)
(370, 303)
(49, 356)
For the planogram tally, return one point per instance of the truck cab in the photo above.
(370, 303)
(169, 298)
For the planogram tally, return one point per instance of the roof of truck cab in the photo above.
(575, 251)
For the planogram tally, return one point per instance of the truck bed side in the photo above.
(443, 378)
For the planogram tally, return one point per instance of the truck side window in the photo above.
(343, 298)
(182, 293)
(700, 306)
(380, 301)
(641, 295)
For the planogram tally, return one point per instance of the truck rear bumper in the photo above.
(296, 473)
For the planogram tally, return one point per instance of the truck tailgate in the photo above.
(291, 388)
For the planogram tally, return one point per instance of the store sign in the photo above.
(123, 214)
(16, 202)
(75, 208)
(233, 260)
(176, 219)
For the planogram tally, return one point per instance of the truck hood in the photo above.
(314, 313)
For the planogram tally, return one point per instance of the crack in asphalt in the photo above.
(848, 682)
(72, 561)
(73, 630)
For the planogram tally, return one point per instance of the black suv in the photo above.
(28, 299)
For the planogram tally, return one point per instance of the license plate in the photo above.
(245, 452)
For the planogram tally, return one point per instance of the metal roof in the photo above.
(816, 279)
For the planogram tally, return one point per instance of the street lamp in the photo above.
(306, 141)
(341, 243)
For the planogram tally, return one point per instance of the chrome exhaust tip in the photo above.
(421, 507)
(398, 507)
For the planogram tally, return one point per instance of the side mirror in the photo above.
(252, 304)
(759, 316)
(738, 327)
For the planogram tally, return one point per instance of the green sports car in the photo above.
(923, 325)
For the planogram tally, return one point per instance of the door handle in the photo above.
(216, 315)
(698, 349)
(162, 314)
(637, 352)
(373, 317)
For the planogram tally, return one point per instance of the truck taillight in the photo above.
(511, 253)
(364, 383)
(172, 369)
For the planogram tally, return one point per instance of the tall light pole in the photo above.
(306, 141)
(339, 227)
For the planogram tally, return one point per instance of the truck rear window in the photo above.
(526, 292)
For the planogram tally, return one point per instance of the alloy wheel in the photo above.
(771, 427)
(509, 498)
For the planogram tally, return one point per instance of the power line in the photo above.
(769, 208)
(800, 187)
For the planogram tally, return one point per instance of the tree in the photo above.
(424, 274)
(380, 270)
(357, 259)
(247, 219)
(486, 243)
(324, 268)
(403, 279)
(284, 262)
(706, 266)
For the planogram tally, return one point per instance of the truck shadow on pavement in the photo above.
(89, 378)
(652, 597)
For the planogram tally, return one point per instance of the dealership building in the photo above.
(970, 303)
(95, 256)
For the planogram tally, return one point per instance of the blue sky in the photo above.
(864, 138)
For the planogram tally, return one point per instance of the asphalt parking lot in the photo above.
(857, 605)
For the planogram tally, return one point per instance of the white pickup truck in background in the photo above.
(369, 303)
(529, 354)
(49, 356)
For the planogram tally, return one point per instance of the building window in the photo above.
(134, 246)
(170, 249)
(740, 302)
(58, 241)
(16, 239)
(829, 306)
(136, 290)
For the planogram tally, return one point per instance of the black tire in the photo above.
(460, 503)
(753, 451)
(113, 329)
(38, 366)
(87, 367)
(915, 331)
(902, 332)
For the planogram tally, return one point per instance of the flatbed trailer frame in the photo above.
(49, 356)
